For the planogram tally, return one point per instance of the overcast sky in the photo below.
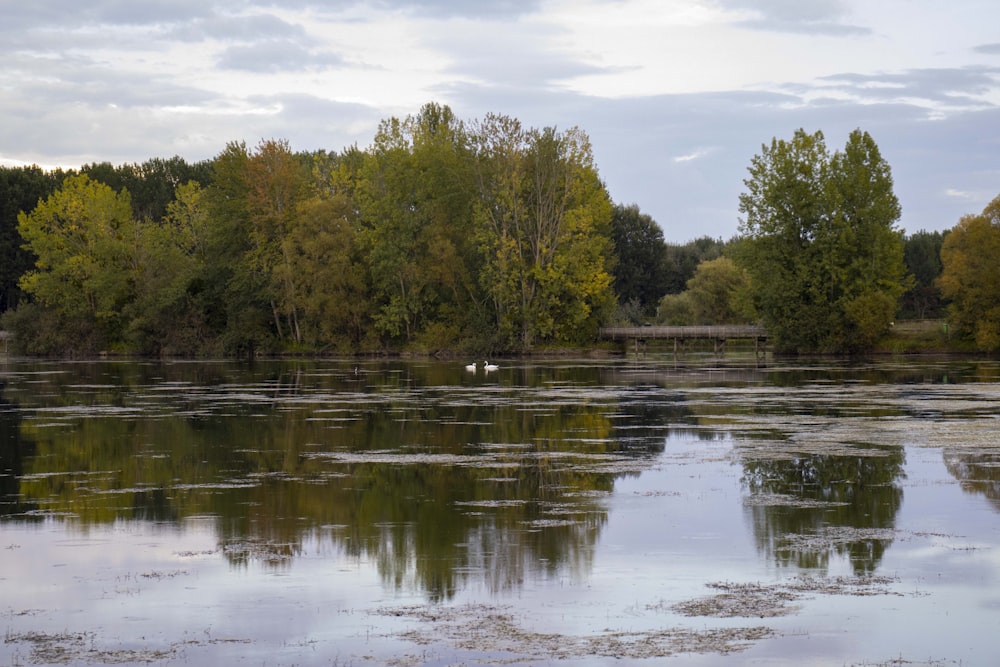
(677, 96)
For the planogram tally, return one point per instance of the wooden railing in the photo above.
(684, 333)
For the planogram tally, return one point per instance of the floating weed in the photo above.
(784, 500)
(903, 662)
(83, 647)
(491, 503)
(268, 552)
(741, 600)
(831, 536)
(495, 630)
(770, 600)
(158, 575)
(550, 523)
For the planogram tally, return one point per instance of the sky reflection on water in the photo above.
(149, 506)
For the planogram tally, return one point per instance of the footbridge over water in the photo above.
(639, 336)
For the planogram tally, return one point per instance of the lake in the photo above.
(706, 511)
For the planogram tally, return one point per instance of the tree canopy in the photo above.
(819, 241)
(485, 236)
(641, 274)
(970, 276)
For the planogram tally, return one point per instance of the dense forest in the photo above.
(447, 236)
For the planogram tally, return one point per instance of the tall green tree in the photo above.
(820, 243)
(640, 274)
(276, 185)
(415, 196)
(167, 313)
(970, 276)
(234, 292)
(328, 275)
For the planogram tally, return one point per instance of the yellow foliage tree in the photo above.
(970, 276)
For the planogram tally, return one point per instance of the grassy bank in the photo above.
(924, 337)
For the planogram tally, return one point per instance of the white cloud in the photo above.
(970, 195)
(654, 84)
(694, 155)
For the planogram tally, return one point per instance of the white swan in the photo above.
(471, 367)
(487, 366)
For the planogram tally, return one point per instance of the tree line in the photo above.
(442, 235)
(482, 236)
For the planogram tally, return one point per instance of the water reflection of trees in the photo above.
(805, 508)
(439, 487)
(13, 451)
(978, 472)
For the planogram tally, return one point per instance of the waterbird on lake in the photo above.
(471, 367)
(487, 366)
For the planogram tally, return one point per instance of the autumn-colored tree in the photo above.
(544, 229)
(435, 237)
(83, 236)
(328, 275)
(276, 184)
(971, 276)
(682, 260)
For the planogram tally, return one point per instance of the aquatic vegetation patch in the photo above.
(64, 648)
(740, 600)
(491, 503)
(785, 500)
(903, 662)
(832, 536)
(745, 600)
(494, 630)
(550, 523)
(265, 551)
(159, 575)
(801, 444)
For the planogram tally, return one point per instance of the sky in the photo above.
(677, 96)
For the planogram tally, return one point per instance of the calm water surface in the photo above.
(414, 513)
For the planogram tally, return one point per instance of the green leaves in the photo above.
(436, 237)
(640, 274)
(820, 244)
